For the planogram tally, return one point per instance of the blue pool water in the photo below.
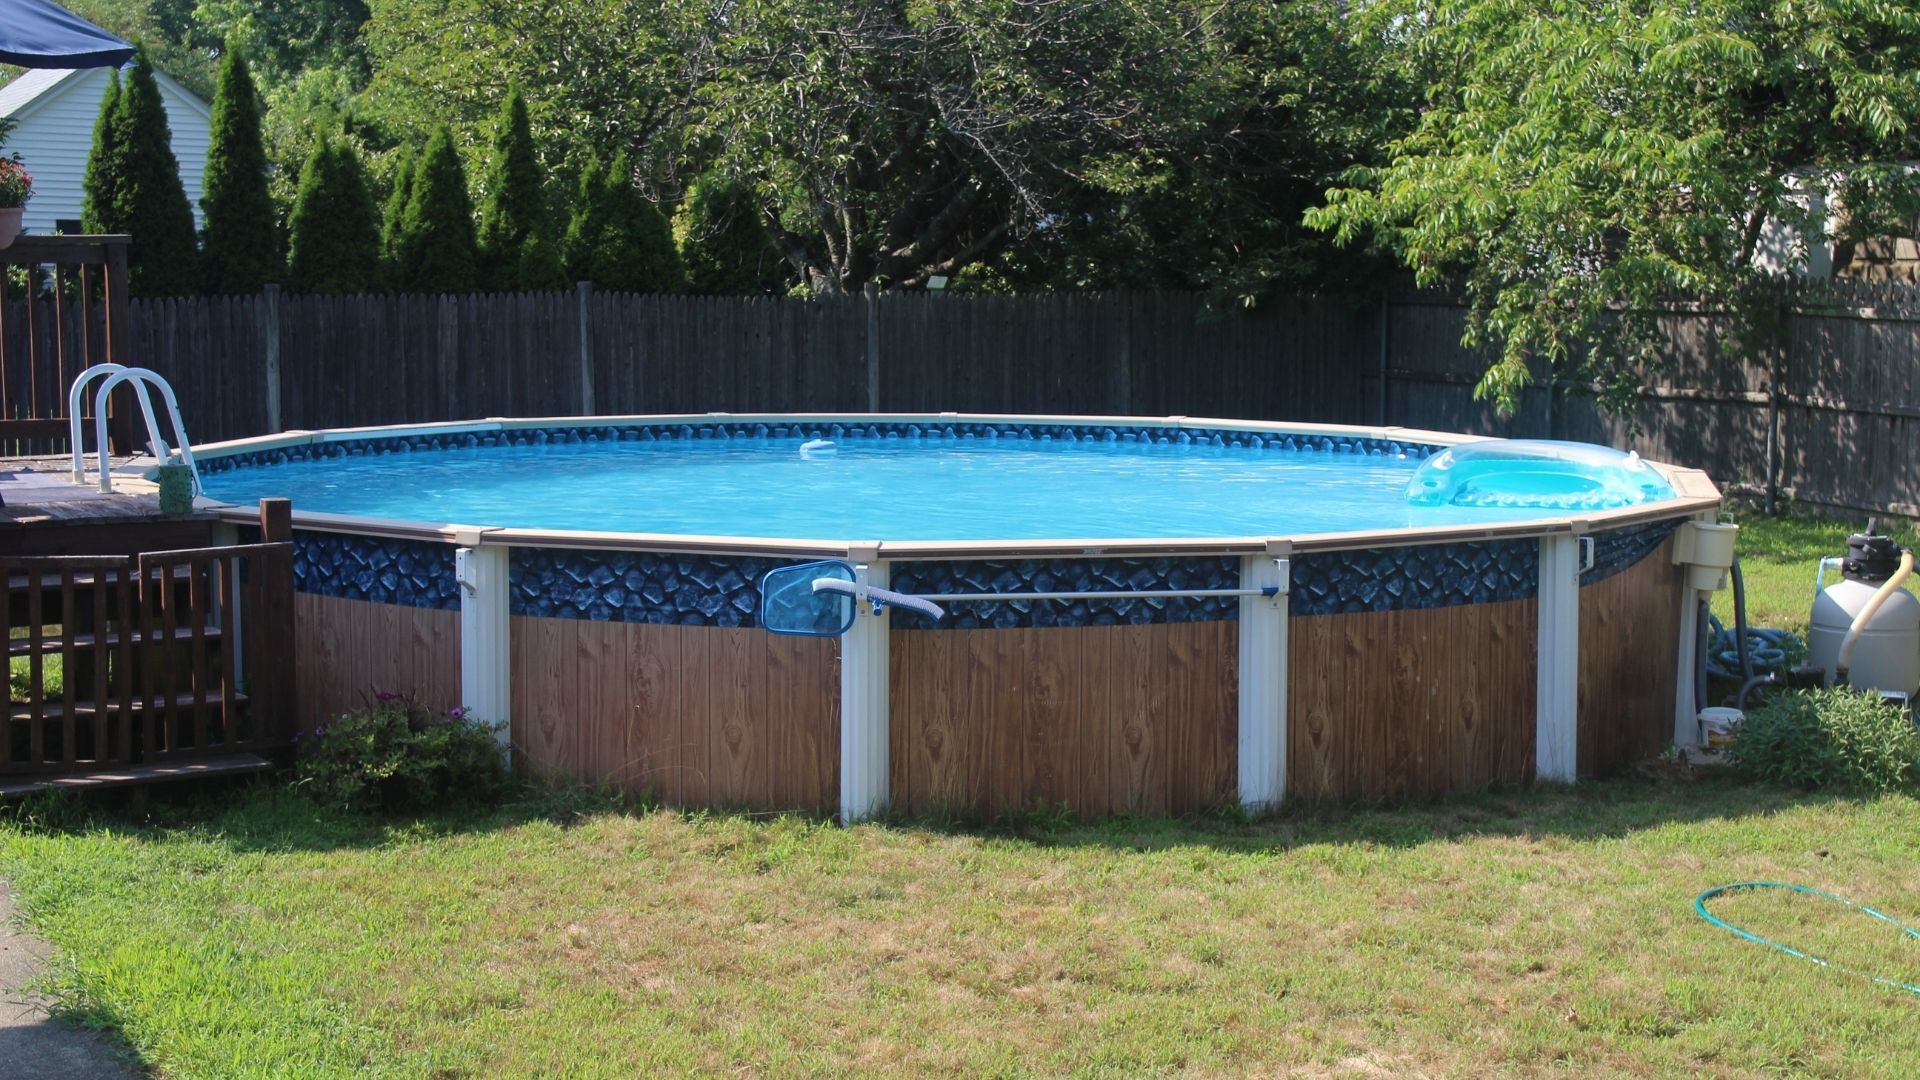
(870, 489)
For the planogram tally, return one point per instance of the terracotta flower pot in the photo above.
(10, 224)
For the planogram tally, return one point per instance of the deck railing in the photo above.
(149, 658)
(63, 308)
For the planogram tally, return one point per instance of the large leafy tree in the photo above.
(133, 186)
(515, 210)
(436, 252)
(608, 71)
(334, 242)
(1074, 143)
(1580, 160)
(240, 242)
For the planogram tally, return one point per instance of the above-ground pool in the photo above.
(1141, 615)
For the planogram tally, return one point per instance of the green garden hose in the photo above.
(1700, 908)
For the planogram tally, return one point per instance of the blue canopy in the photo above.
(39, 34)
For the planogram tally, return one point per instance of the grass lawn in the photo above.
(1531, 934)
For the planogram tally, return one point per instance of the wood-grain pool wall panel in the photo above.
(692, 715)
(1411, 702)
(1629, 635)
(1098, 719)
(352, 650)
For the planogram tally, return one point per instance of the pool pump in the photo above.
(1865, 628)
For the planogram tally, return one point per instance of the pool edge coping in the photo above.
(1695, 495)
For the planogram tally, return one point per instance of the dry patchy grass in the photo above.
(1537, 934)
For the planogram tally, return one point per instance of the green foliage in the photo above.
(287, 35)
(725, 243)
(618, 239)
(1578, 162)
(334, 233)
(166, 30)
(1837, 738)
(399, 756)
(133, 186)
(393, 221)
(515, 213)
(241, 246)
(99, 186)
(436, 251)
(540, 268)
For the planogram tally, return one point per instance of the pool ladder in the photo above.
(140, 379)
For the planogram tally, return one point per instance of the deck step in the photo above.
(53, 646)
(57, 710)
(91, 779)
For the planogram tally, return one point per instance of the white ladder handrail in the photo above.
(74, 417)
(141, 379)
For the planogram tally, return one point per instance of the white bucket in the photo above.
(1717, 726)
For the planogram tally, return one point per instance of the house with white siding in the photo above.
(54, 110)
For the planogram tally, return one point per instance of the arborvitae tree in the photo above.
(587, 229)
(98, 186)
(436, 236)
(516, 209)
(334, 243)
(540, 269)
(394, 220)
(619, 240)
(724, 243)
(241, 249)
(147, 200)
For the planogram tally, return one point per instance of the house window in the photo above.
(70, 226)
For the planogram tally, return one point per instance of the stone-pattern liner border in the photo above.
(415, 442)
(723, 590)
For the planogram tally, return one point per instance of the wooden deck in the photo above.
(203, 769)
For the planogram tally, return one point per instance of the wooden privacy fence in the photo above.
(248, 365)
(147, 659)
(1824, 410)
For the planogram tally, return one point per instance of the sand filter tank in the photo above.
(1867, 624)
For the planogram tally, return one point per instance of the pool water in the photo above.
(870, 489)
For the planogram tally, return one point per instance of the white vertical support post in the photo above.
(486, 679)
(1557, 688)
(1686, 721)
(864, 705)
(1263, 678)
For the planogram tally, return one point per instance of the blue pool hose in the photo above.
(1700, 908)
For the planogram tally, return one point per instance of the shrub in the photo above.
(515, 212)
(399, 755)
(436, 248)
(725, 245)
(334, 232)
(241, 246)
(1839, 738)
(133, 186)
